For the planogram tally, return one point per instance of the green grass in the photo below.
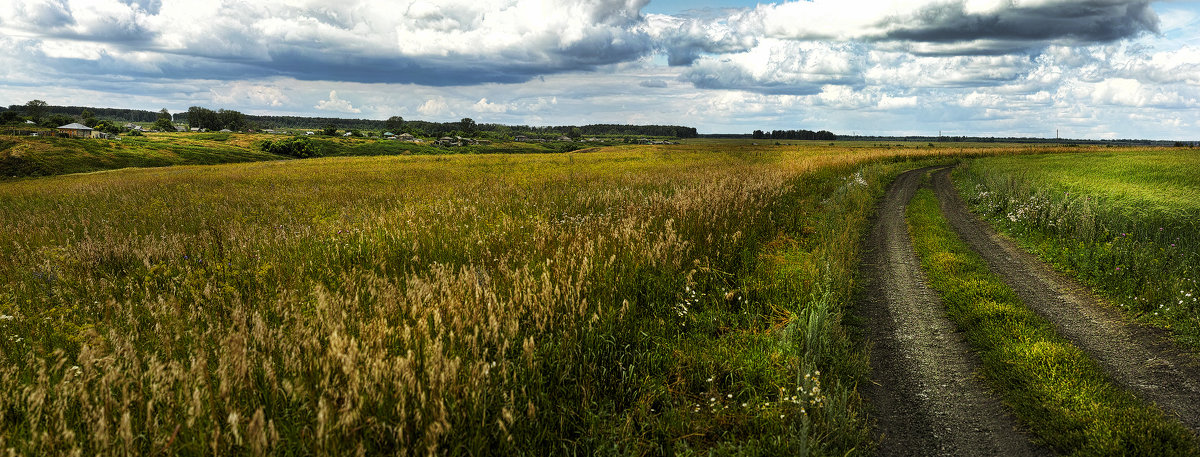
(1052, 386)
(1126, 223)
(46, 156)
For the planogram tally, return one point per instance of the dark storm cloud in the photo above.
(1015, 28)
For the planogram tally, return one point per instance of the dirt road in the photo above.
(925, 393)
(1138, 358)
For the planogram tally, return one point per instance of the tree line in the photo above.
(213, 120)
(823, 135)
(115, 114)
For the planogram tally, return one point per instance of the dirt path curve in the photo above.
(924, 391)
(1139, 358)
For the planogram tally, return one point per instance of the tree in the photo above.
(107, 127)
(295, 147)
(35, 109)
(88, 118)
(395, 124)
(56, 120)
(9, 117)
(467, 125)
(329, 130)
(230, 119)
(202, 118)
(163, 123)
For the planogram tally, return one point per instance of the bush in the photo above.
(295, 147)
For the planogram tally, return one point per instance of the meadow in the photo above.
(23, 156)
(686, 299)
(1126, 223)
(636, 300)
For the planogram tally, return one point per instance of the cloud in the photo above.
(780, 67)
(653, 83)
(434, 107)
(246, 93)
(428, 42)
(960, 26)
(336, 104)
(685, 39)
(483, 106)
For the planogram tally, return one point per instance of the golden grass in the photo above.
(405, 304)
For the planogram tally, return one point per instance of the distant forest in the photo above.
(823, 135)
(114, 114)
(220, 119)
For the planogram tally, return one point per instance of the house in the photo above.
(447, 141)
(29, 122)
(348, 134)
(520, 138)
(564, 138)
(226, 131)
(406, 137)
(75, 130)
(308, 133)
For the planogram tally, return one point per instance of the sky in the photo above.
(1086, 68)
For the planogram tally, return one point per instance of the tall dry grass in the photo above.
(424, 305)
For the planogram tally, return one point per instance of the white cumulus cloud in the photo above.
(336, 104)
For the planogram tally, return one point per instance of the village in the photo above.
(78, 130)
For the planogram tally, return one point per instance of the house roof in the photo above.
(75, 126)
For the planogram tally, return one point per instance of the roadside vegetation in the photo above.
(1054, 388)
(639, 300)
(1126, 223)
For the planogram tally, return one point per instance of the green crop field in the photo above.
(1125, 222)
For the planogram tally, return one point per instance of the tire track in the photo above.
(1139, 358)
(924, 391)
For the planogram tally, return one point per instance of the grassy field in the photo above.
(45, 156)
(637, 300)
(22, 157)
(1125, 222)
(685, 299)
(1053, 387)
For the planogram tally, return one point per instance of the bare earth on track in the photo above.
(925, 393)
(1137, 357)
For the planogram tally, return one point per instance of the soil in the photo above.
(925, 393)
(1137, 357)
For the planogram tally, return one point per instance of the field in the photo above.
(1126, 223)
(685, 299)
(46, 156)
(631, 300)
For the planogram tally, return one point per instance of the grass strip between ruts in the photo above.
(1052, 386)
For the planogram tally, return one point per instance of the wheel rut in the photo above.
(925, 393)
(1137, 357)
